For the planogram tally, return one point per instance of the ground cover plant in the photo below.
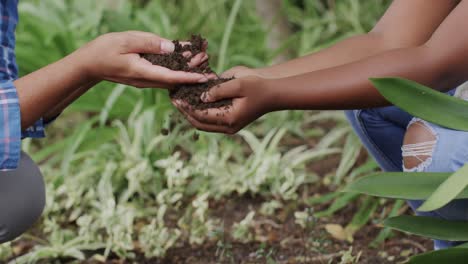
(127, 182)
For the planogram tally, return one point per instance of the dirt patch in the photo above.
(179, 61)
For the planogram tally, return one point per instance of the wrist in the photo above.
(270, 94)
(84, 65)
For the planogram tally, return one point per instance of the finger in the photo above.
(143, 84)
(202, 126)
(144, 42)
(209, 127)
(198, 59)
(214, 116)
(187, 54)
(139, 83)
(227, 90)
(155, 73)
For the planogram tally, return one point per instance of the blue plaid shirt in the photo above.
(10, 118)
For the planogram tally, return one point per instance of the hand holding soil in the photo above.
(181, 60)
(115, 57)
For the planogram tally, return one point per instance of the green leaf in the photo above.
(362, 216)
(338, 204)
(447, 191)
(401, 185)
(431, 227)
(387, 232)
(452, 256)
(424, 102)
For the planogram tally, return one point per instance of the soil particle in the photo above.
(179, 61)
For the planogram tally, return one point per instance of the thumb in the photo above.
(143, 42)
(228, 90)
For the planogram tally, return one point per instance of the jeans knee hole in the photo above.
(418, 146)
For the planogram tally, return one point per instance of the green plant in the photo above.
(117, 187)
(437, 189)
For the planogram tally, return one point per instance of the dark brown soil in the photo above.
(176, 61)
(191, 93)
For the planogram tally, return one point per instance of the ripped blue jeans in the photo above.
(382, 131)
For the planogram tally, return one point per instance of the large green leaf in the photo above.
(447, 191)
(431, 227)
(424, 102)
(401, 185)
(449, 256)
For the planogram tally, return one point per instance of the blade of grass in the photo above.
(400, 185)
(430, 227)
(452, 256)
(227, 34)
(447, 191)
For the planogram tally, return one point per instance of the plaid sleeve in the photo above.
(10, 130)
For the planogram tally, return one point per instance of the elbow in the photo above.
(445, 67)
(387, 41)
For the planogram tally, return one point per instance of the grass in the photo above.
(118, 188)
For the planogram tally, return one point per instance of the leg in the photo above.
(381, 130)
(22, 199)
(431, 148)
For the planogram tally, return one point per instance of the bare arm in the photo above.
(440, 62)
(405, 24)
(58, 109)
(113, 57)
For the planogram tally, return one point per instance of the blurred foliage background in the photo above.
(118, 188)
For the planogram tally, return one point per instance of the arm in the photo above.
(114, 57)
(434, 63)
(394, 30)
(57, 110)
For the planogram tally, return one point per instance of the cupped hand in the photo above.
(116, 57)
(250, 100)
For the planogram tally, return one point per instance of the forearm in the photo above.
(348, 86)
(52, 113)
(349, 50)
(42, 91)
(393, 31)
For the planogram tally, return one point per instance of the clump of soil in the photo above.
(176, 61)
(191, 93)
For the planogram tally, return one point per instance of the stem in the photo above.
(227, 35)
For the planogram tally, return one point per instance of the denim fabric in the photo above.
(382, 130)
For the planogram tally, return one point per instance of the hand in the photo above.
(115, 57)
(250, 100)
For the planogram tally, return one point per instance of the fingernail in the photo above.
(167, 46)
(205, 97)
(203, 80)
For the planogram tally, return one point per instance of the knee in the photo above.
(418, 146)
(353, 117)
(23, 201)
(350, 114)
(21, 215)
